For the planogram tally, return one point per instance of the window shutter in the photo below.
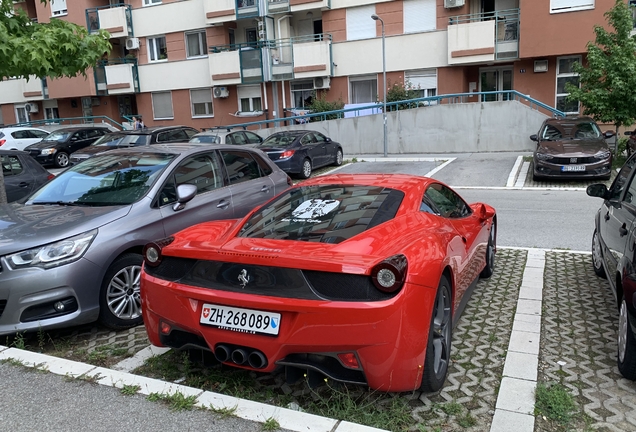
(58, 7)
(423, 79)
(162, 105)
(250, 91)
(419, 15)
(201, 96)
(360, 25)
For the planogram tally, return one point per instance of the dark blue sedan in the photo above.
(299, 152)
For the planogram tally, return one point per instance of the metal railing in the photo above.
(71, 121)
(506, 95)
(100, 74)
(506, 30)
(92, 17)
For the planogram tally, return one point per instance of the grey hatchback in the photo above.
(71, 254)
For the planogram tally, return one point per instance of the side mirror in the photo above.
(483, 212)
(185, 193)
(328, 139)
(598, 190)
(609, 134)
(534, 137)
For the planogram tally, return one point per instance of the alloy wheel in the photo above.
(596, 251)
(61, 160)
(442, 331)
(622, 332)
(123, 295)
(306, 168)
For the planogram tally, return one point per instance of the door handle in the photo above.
(265, 188)
(622, 231)
(606, 217)
(464, 239)
(223, 204)
(23, 184)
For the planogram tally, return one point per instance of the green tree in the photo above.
(55, 49)
(608, 81)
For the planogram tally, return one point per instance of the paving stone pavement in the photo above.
(559, 184)
(578, 345)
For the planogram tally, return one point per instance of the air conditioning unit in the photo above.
(221, 92)
(31, 107)
(321, 83)
(453, 3)
(132, 43)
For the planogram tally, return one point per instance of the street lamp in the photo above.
(377, 18)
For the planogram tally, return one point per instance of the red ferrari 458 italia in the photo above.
(358, 277)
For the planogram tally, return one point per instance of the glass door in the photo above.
(493, 80)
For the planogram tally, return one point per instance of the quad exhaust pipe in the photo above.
(240, 356)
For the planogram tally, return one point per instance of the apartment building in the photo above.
(205, 63)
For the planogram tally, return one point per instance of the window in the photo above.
(196, 45)
(249, 98)
(201, 102)
(302, 93)
(58, 7)
(364, 89)
(359, 23)
(240, 166)
(419, 16)
(252, 138)
(570, 5)
(440, 200)
(51, 113)
(162, 105)
(565, 74)
(11, 165)
(202, 171)
(151, 2)
(157, 50)
(424, 80)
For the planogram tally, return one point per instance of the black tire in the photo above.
(490, 252)
(119, 298)
(597, 256)
(440, 333)
(339, 158)
(61, 159)
(306, 169)
(626, 344)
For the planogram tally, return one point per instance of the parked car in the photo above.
(301, 151)
(59, 144)
(22, 174)
(360, 277)
(71, 254)
(571, 147)
(17, 138)
(227, 136)
(137, 137)
(613, 256)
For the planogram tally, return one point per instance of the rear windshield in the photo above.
(278, 140)
(211, 139)
(122, 140)
(325, 213)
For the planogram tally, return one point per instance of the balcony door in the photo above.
(495, 79)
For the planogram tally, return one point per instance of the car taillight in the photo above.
(152, 251)
(287, 154)
(50, 176)
(2, 141)
(389, 275)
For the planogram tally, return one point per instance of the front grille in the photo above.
(3, 304)
(573, 161)
(267, 280)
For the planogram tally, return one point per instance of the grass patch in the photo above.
(129, 390)
(467, 420)
(223, 412)
(270, 424)
(176, 401)
(452, 408)
(554, 402)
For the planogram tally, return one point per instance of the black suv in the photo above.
(137, 137)
(56, 147)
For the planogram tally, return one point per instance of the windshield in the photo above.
(278, 140)
(104, 180)
(207, 139)
(122, 140)
(325, 213)
(583, 130)
(57, 136)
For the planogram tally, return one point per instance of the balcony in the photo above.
(483, 37)
(117, 76)
(115, 19)
(237, 63)
(277, 6)
(300, 57)
(18, 90)
(219, 11)
(247, 9)
(302, 5)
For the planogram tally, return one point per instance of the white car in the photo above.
(17, 138)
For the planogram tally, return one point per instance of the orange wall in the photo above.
(334, 22)
(444, 14)
(391, 13)
(545, 34)
(72, 87)
(8, 114)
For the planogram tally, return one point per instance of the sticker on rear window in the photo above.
(312, 210)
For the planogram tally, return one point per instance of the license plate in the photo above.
(241, 320)
(573, 168)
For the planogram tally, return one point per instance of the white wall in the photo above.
(169, 18)
(185, 74)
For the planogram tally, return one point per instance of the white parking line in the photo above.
(521, 180)
(513, 173)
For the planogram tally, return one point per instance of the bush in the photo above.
(320, 104)
(398, 92)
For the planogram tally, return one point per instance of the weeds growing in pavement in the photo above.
(223, 412)
(270, 424)
(176, 401)
(13, 362)
(555, 402)
(129, 390)
(452, 408)
(19, 341)
(41, 339)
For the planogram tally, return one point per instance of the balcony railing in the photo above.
(117, 76)
(115, 19)
(506, 33)
(277, 6)
(247, 9)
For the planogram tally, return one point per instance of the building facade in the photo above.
(207, 63)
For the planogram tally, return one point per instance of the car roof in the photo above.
(570, 120)
(176, 148)
(76, 128)
(403, 182)
(149, 130)
(293, 132)
(15, 128)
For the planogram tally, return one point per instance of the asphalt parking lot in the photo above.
(577, 335)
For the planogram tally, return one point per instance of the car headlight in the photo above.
(602, 155)
(544, 156)
(49, 151)
(54, 254)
